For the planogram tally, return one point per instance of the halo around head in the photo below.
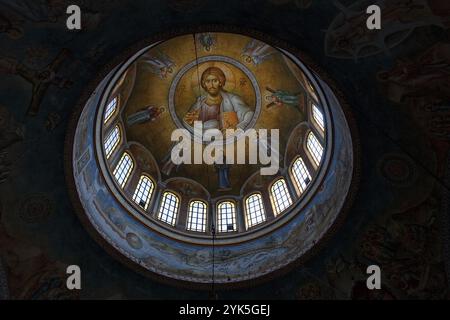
(230, 82)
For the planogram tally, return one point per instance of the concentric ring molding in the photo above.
(148, 248)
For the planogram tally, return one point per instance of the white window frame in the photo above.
(144, 191)
(314, 148)
(111, 109)
(318, 116)
(300, 174)
(255, 212)
(230, 219)
(281, 200)
(168, 212)
(123, 169)
(197, 220)
(112, 141)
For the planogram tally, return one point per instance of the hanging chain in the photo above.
(213, 228)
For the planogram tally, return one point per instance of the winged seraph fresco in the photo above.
(159, 63)
(257, 52)
(207, 40)
(349, 38)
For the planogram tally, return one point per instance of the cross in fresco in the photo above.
(39, 79)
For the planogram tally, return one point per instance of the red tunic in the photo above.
(209, 112)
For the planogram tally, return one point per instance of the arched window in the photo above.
(197, 216)
(279, 194)
(254, 209)
(300, 174)
(112, 141)
(123, 169)
(314, 148)
(168, 209)
(226, 217)
(110, 109)
(143, 192)
(318, 117)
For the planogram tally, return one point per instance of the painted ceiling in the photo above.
(168, 76)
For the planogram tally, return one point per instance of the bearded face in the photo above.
(212, 85)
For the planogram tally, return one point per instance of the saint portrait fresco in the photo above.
(221, 94)
(218, 108)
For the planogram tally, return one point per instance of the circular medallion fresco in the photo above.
(216, 82)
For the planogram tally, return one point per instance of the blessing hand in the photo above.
(190, 117)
